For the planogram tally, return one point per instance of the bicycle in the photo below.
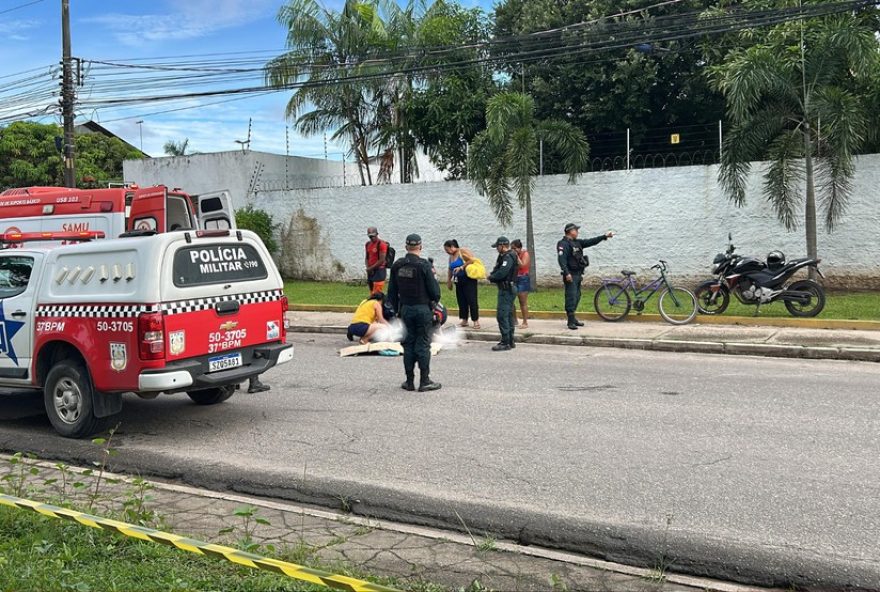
(612, 301)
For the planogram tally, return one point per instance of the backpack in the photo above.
(390, 255)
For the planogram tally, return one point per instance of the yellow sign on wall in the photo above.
(675, 139)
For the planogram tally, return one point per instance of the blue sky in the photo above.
(137, 29)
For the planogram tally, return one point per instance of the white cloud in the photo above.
(15, 29)
(183, 20)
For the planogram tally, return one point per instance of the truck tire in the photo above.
(211, 396)
(67, 395)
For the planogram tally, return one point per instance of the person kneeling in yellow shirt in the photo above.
(368, 319)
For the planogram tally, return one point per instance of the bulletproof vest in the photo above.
(411, 283)
(576, 259)
(513, 263)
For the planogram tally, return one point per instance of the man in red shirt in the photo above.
(376, 251)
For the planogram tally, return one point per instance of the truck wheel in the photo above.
(67, 396)
(212, 396)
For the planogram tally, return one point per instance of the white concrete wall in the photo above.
(678, 214)
(248, 173)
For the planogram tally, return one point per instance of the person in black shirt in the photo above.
(413, 292)
(573, 262)
(504, 276)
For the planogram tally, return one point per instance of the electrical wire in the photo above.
(123, 83)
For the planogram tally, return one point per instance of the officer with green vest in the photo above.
(504, 276)
(573, 262)
(413, 292)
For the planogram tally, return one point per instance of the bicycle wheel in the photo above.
(678, 305)
(612, 302)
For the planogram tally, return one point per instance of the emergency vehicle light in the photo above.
(21, 237)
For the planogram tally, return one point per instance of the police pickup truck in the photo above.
(196, 312)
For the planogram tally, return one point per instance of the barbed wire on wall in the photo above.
(654, 161)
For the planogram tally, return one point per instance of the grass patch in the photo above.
(863, 306)
(40, 553)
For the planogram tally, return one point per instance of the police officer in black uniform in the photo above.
(504, 276)
(413, 292)
(573, 262)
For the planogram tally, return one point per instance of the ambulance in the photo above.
(195, 312)
(112, 211)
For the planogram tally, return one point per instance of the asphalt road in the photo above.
(751, 469)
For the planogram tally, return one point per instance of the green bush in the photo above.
(260, 222)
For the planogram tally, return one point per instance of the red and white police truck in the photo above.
(196, 311)
(112, 211)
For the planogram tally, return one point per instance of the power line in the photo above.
(122, 83)
(20, 6)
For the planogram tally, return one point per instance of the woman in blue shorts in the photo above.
(523, 282)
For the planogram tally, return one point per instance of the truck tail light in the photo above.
(285, 306)
(151, 336)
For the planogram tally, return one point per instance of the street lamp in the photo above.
(140, 124)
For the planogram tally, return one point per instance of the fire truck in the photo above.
(195, 312)
(112, 211)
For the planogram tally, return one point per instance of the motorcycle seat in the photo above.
(627, 273)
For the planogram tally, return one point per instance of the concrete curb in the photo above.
(793, 323)
(770, 350)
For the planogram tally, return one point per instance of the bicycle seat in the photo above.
(627, 273)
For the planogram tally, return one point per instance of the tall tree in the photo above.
(503, 159)
(447, 109)
(326, 46)
(29, 156)
(642, 88)
(797, 96)
(179, 148)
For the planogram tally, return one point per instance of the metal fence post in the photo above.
(628, 149)
(541, 148)
(720, 143)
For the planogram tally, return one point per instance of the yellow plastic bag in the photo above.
(476, 270)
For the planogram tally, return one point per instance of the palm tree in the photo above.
(798, 99)
(324, 47)
(173, 148)
(503, 158)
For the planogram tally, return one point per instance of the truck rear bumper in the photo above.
(192, 374)
(164, 381)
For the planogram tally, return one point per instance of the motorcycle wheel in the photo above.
(712, 298)
(814, 306)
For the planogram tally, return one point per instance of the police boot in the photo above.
(255, 386)
(409, 384)
(503, 346)
(572, 322)
(428, 385)
(577, 322)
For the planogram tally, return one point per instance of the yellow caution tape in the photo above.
(292, 570)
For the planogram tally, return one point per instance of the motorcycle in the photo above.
(758, 282)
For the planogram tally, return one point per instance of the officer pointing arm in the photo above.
(573, 263)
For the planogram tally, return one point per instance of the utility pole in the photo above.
(140, 124)
(67, 97)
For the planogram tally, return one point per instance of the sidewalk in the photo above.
(714, 338)
(418, 558)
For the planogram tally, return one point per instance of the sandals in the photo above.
(477, 325)
(463, 324)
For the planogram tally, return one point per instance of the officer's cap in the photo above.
(413, 240)
(571, 226)
(502, 240)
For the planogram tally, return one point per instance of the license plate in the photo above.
(224, 362)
